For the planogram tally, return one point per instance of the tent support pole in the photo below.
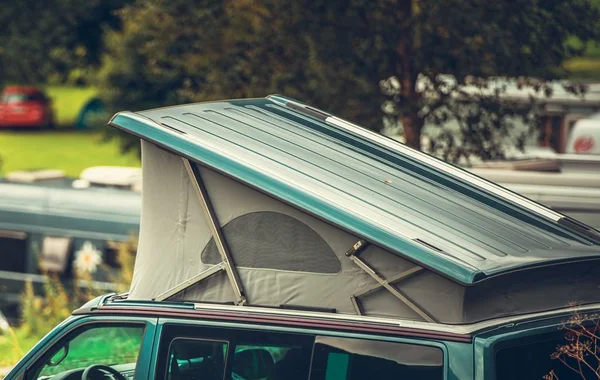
(227, 263)
(189, 282)
(387, 284)
(406, 274)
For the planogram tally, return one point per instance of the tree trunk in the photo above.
(407, 74)
(412, 125)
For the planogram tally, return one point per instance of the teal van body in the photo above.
(278, 241)
(32, 215)
(467, 352)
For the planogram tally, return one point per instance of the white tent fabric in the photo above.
(174, 232)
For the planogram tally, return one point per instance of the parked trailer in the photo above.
(568, 183)
(46, 226)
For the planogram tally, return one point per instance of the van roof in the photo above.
(426, 210)
(119, 304)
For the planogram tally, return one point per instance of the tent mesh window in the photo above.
(273, 240)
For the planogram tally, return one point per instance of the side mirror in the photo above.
(59, 356)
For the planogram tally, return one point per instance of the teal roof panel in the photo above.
(428, 211)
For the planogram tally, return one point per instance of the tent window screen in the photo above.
(357, 359)
(273, 240)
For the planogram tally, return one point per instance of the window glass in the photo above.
(268, 361)
(191, 358)
(16, 98)
(116, 347)
(357, 359)
(13, 248)
(233, 354)
(532, 360)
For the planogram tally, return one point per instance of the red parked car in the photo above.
(25, 106)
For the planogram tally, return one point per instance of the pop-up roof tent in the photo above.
(270, 202)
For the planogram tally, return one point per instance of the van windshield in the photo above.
(21, 97)
(533, 360)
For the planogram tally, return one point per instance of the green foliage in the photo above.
(171, 52)
(42, 312)
(54, 40)
(105, 345)
(475, 42)
(333, 54)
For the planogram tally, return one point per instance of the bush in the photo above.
(581, 352)
(40, 313)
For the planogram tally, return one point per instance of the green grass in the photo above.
(584, 68)
(71, 151)
(11, 351)
(68, 102)
(107, 345)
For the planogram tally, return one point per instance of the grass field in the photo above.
(70, 151)
(11, 351)
(584, 68)
(69, 101)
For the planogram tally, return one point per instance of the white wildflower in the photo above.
(87, 258)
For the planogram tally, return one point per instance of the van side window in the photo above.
(531, 358)
(357, 359)
(13, 250)
(212, 353)
(286, 359)
(111, 349)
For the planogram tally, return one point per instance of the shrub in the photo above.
(40, 313)
(581, 352)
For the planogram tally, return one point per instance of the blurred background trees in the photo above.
(402, 60)
(54, 40)
(350, 57)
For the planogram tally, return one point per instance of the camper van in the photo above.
(278, 241)
(50, 224)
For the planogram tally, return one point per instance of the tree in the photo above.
(334, 54)
(423, 42)
(178, 51)
(52, 40)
